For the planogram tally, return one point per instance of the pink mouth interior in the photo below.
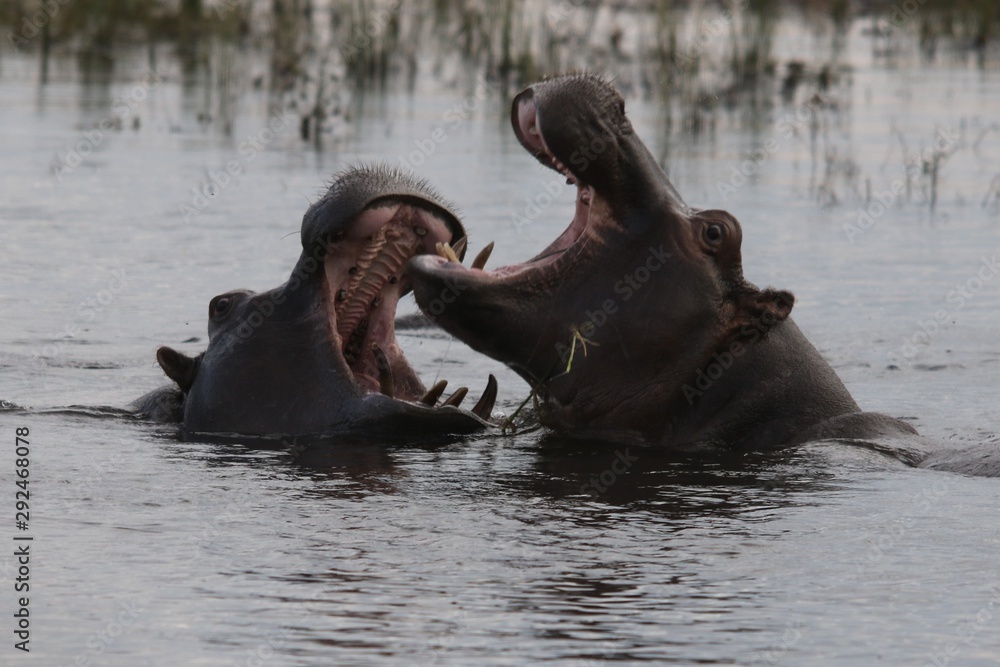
(528, 131)
(364, 273)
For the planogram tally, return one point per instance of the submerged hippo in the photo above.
(636, 323)
(318, 355)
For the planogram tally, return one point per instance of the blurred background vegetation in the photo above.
(694, 55)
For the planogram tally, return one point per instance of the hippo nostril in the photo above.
(219, 306)
(714, 233)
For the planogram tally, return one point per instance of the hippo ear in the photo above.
(758, 311)
(179, 367)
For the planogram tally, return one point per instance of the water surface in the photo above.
(497, 549)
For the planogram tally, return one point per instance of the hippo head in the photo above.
(619, 314)
(318, 355)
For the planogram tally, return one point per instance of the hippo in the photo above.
(318, 355)
(636, 324)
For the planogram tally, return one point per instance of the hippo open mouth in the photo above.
(362, 261)
(588, 144)
(614, 319)
(636, 324)
(363, 267)
(591, 212)
(319, 355)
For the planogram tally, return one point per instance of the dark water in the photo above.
(500, 549)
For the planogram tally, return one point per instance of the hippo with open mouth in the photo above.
(636, 324)
(318, 355)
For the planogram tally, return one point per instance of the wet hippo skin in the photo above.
(636, 324)
(318, 355)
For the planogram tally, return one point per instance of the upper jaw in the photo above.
(527, 123)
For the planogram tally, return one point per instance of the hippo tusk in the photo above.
(434, 393)
(456, 399)
(445, 250)
(484, 408)
(480, 261)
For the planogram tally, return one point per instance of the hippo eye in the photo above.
(714, 233)
(220, 306)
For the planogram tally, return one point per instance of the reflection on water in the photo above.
(140, 185)
(320, 60)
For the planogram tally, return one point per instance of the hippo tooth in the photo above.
(456, 399)
(484, 408)
(459, 247)
(480, 261)
(533, 129)
(446, 251)
(434, 393)
(385, 382)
